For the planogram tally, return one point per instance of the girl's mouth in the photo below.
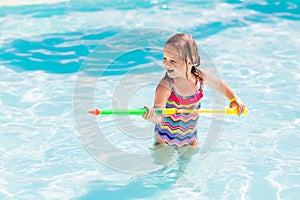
(170, 70)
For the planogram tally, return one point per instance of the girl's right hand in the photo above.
(149, 114)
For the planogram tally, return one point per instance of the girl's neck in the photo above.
(191, 79)
(184, 86)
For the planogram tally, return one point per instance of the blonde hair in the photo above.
(186, 47)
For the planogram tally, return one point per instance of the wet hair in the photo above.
(186, 48)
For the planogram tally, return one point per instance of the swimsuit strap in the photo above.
(201, 84)
(170, 83)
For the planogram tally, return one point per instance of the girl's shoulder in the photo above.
(164, 86)
(166, 82)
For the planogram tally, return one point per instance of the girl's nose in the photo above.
(166, 63)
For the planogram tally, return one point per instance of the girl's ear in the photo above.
(190, 63)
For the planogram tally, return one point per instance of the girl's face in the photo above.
(174, 64)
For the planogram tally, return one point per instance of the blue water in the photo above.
(57, 60)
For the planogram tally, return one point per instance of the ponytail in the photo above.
(198, 73)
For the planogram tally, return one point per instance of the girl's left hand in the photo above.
(239, 105)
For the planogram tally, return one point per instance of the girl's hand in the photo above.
(239, 105)
(151, 116)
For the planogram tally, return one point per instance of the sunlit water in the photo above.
(254, 46)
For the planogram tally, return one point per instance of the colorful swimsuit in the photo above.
(180, 129)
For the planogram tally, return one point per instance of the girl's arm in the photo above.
(162, 94)
(224, 89)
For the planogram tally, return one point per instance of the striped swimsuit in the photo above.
(180, 129)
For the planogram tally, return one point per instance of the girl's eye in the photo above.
(171, 61)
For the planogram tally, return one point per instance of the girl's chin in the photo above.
(173, 74)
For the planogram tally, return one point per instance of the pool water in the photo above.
(62, 58)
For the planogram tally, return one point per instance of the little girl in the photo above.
(182, 88)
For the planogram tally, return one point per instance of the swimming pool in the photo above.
(59, 59)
